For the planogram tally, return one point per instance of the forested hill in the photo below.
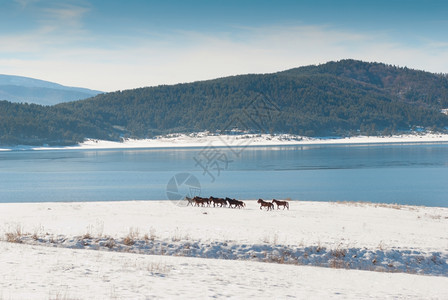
(402, 84)
(336, 98)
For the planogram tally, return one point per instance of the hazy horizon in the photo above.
(108, 46)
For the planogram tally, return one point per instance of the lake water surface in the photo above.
(414, 174)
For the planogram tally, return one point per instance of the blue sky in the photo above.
(116, 45)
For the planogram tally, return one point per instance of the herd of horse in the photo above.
(233, 203)
(221, 202)
(270, 205)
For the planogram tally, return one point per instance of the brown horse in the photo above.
(233, 203)
(240, 204)
(281, 203)
(266, 204)
(218, 201)
(202, 201)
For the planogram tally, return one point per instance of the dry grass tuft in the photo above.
(37, 231)
(129, 240)
(35, 236)
(385, 205)
(366, 203)
(270, 239)
(15, 235)
(158, 268)
(151, 236)
(12, 237)
(177, 236)
(319, 247)
(338, 253)
(87, 236)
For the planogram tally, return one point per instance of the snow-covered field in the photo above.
(203, 139)
(156, 249)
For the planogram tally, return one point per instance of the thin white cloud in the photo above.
(25, 3)
(64, 15)
(54, 26)
(58, 17)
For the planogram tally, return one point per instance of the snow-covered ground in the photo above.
(203, 139)
(31, 272)
(156, 249)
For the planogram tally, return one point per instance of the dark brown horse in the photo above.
(202, 201)
(233, 203)
(281, 203)
(240, 204)
(266, 204)
(218, 201)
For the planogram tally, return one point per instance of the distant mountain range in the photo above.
(30, 90)
(343, 98)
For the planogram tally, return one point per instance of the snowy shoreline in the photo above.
(203, 139)
(318, 238)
